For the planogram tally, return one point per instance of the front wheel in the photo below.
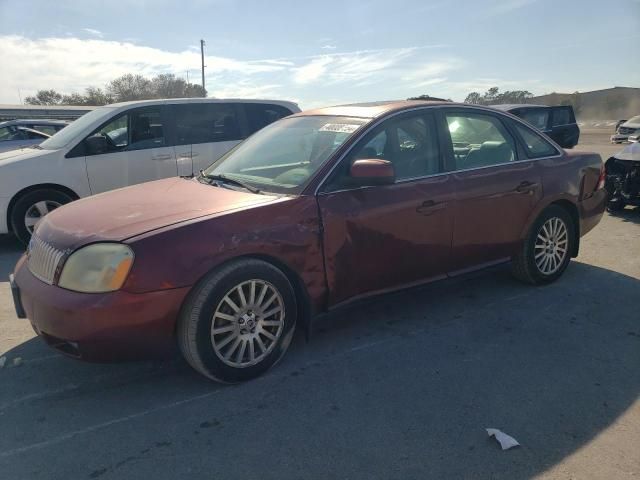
(238, 321)
(546, 251)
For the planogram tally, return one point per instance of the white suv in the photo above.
(124, 144)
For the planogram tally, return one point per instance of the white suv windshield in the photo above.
(284, 156)
(71, 132)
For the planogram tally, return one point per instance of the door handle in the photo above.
(161, 157)
(526, 187)
(429, 207)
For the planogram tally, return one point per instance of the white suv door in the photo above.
(204, 132)
(130, 148)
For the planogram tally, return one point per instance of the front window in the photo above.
(70, 133)
(285, 155)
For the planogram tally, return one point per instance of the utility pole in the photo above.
(202, 55)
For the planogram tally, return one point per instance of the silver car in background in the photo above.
(24, 133)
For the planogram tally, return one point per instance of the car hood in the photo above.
(18, 154)
(127, 212)
(630, 125)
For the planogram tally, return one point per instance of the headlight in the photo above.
(101, 267)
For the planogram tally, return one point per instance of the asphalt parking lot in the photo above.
(402, 387)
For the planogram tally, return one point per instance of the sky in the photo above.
(324, 53)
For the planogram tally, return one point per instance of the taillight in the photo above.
(601, 178)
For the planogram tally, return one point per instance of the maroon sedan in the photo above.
(314, 211)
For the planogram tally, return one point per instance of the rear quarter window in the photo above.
(562, 116)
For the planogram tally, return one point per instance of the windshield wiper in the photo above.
(224, 179)
(37, 147)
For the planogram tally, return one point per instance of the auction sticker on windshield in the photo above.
(339, 127)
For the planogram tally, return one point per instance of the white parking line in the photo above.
(93, 428)
(38, 395)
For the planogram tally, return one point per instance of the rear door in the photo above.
(204, 132)
(384, 237)
(496, 187)
(137, 151)
(564, 130)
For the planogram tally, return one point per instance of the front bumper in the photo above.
(101, 327)
(619, 137)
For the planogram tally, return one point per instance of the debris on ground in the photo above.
(3, 360)
(17, 361)
(506, 441)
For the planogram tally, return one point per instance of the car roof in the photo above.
(373, 109)
(168, 101)
(26, 121)
(512, 106)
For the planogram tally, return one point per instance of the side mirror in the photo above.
(373, 171)
(96, 145)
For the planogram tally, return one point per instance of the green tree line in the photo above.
(123, 89)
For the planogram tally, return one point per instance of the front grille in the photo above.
(626, 130)
(43, 259)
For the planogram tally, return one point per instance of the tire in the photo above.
(206, 308)
(616, 206)
(529, 264)
(28, 203)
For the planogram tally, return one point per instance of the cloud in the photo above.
(70, 64)
(328, 47)
(94, 32)
(501, 7)
(312, 71)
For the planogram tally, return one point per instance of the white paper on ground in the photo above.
(506, 442)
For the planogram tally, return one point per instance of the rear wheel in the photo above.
(546, 251)
(31, 207)
(238, 321)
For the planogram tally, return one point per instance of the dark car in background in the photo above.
(559, 123)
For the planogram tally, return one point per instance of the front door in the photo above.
(135, 151)
(379, 238)
(496, 189)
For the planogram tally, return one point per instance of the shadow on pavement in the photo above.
(10, 251)
(629, 214)
(400, 387)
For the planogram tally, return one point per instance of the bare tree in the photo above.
(130, 87)
(96, 96)
(44, 97)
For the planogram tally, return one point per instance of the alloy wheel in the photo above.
(247, 323)
(551, 246)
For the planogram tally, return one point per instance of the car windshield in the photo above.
(69, 133)
(284, 156)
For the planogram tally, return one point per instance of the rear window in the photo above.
(259, 115)
(206, 122)
(562, 116)
(535, 145)
(537, 117)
